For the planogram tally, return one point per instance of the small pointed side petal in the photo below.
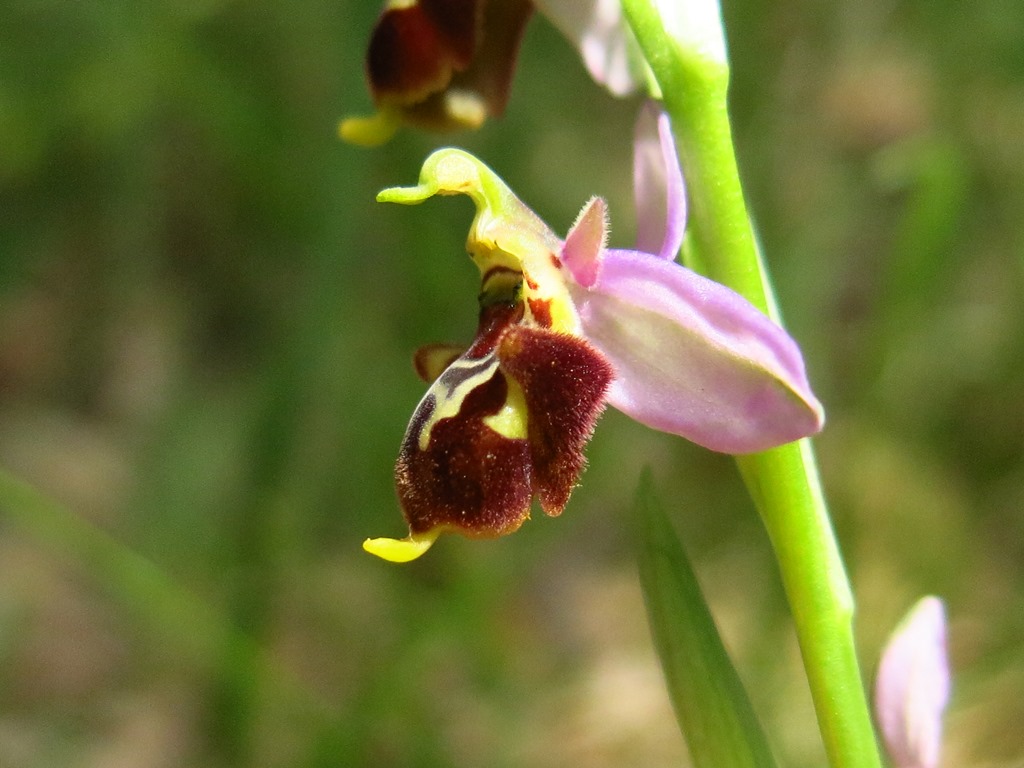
(581, 253)
(599, 31)
(431, 360)
(694, 358)
(657, 185)
(912, 688)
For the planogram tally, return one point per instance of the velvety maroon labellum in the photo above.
(469, 478)
(504, 422)
(564, 381)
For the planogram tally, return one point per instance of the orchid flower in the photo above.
(446, 65)
(912, 688)
(565, 327)
(442, 65)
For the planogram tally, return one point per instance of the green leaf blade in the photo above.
(712, 706)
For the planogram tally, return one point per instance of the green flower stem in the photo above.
(693, 74)
(784, 485)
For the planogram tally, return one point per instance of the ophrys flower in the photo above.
(566, 326)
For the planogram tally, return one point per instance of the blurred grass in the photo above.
(205, 329)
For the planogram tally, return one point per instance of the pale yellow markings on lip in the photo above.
(448, 404)
(511, 420)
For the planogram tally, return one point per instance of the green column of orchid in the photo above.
(684, 44)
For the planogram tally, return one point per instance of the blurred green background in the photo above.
(205, 331)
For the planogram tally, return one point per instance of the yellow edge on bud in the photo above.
(402, 550)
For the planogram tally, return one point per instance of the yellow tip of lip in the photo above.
(401, 550)
(369, 131)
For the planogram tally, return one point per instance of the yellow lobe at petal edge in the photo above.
(401, 550)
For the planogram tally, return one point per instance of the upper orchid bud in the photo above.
(442, 65)
(445, 65)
